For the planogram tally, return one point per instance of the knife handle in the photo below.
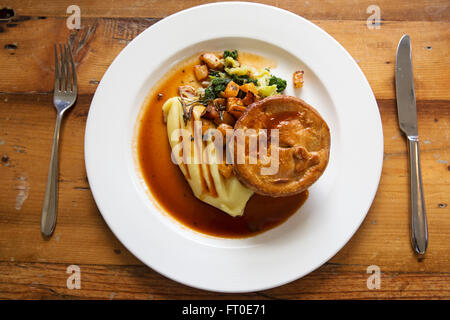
(419, 229)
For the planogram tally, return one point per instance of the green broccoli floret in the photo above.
(230, 53)
(280, 83)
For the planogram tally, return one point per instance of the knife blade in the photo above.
(404, 86)
(407, 118)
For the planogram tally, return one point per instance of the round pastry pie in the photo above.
(291, 164)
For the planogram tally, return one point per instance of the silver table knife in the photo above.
(407, 117)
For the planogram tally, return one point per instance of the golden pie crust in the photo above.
(303, 148)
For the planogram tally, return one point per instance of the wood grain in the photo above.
(100, 41)
(34, 268)
(400, 10)
(331, 281)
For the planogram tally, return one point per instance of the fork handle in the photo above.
(419, 230)
(50, 208)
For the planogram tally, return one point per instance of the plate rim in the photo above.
(99, 201)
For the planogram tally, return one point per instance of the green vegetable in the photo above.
(240, 80)
(218, 85)
(280, 83)
(230, 53)
(216, 74)
(231, 63)
(207, 96)
(240, 71)
(213, 91)
(266, 91)
(263, 77)
(266, 83)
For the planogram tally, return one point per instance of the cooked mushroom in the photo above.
(211, 60)
(298, 79)
(201, 72)
(225, 117)
(223, 128)
(187, 92)
(211, 112)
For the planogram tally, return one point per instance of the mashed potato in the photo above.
(205, 180)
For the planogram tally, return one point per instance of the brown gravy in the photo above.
(168, 185)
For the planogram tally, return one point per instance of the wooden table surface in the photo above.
(33, 268)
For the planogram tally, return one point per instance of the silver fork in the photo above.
(64, 96)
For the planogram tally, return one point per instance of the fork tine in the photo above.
(57, 71)
(66, 65)
(68, 71)
(74, 72)
(63, 69)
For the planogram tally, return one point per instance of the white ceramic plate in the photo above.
(338, 202)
